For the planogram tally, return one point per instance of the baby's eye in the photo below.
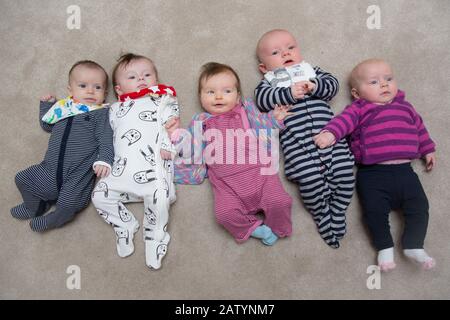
(82, 85)
(291, 47)
(209, 92)
(274, 53)
(373, 82)
(390, 78)
(98, 88)
(228, 91)
(131, 77)
(148, 75)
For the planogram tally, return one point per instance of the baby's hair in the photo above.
(92, 65)
(353, 78)
(264, 36)
(213, 68)
(125, 60)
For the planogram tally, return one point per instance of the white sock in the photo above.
(386, 259)
(420, 256)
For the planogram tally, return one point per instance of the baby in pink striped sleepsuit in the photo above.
(242, 187)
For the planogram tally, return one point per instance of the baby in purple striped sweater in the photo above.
(385, 135)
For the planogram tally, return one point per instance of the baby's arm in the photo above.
(427, 147)
(273, 119)
(339, 127)
(170, 119)
(46, 102)
(189, 164)
(104, 138)
(326, 85)
(302, 88)
(324, 139)
(268, 97)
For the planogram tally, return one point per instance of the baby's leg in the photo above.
(315, 194)
(110, 206)
(73, 197)
(37, 188)
(415, 209)
(156, 218)
(233, 216)
(341, 183)
(375, 189)
(276, 203)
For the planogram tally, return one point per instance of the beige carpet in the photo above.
(203, 262)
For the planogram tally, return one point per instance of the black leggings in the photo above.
(385, 187)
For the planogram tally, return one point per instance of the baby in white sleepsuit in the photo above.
(142, 120)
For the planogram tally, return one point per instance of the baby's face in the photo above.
(87, 85)
(219, 93)
(375, 83)
(277, 50)
(137, 75)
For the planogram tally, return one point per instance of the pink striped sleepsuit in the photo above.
(240, 190)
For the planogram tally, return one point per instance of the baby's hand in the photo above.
(324, 139)
(48, 98)
(101, 170)
(281, 112)
(172, 125)
(299, 89)
(430, 160)
(166, 155)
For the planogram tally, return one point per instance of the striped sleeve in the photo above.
(345, 123)
(104, 136)
(43, 108)
(190, 168)
(260, 120)
(267, 97)
(327, 86)
(426, 145)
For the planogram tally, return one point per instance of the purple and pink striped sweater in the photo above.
(382, 132)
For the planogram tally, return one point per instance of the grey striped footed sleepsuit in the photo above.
(325, 177)
(65, 176)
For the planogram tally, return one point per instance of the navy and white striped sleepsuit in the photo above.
(325, 177)
(65, 177)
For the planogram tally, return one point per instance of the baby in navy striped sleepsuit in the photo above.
(386, 134)
(142, 121)
(80, 145)
(325, 177)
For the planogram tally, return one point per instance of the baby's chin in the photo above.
(290, 63)
(88, 102)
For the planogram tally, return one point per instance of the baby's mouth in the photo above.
(142, 86)
(90, 100)
(288, 62)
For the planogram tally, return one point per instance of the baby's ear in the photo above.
(262, 68)
(355, 93)
(117, 90)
